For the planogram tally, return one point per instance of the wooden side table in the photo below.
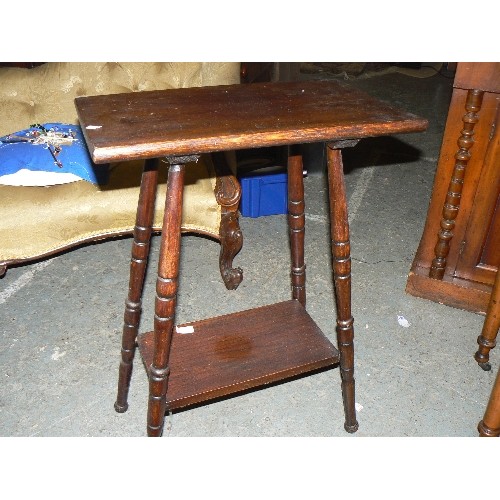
(228, 354)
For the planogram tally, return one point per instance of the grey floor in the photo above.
(60, 319)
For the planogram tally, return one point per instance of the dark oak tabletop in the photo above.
(206, 119)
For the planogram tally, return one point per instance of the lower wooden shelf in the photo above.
(231, 353)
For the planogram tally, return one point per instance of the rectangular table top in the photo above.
(186, 121)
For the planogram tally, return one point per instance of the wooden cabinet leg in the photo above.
(138, 263)
(487, 339)
(166, 298)
(342, 278)
(296, 224)
(490, 425)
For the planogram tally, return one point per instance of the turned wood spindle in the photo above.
(138, 264)
(166, 298)
(489, 426)
(341, 253)
(451, 206)
(296, 224)
(491, 325)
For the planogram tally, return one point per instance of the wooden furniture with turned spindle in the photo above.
(490, 424)
(228, 354)
(487, 339)
(458, 256)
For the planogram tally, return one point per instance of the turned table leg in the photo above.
(138, 263)
(487, 339)
(342, 279)
(166, 296)
(296, 224)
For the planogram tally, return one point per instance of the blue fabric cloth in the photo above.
(73, 157)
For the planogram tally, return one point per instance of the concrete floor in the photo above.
(60, 319)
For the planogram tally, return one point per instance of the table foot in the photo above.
(485, 431)
(119, 408)
(351, 429)
(155, 431)
(485, 366)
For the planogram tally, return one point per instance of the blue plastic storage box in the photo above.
(264, 193)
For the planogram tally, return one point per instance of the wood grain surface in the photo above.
(207, 119)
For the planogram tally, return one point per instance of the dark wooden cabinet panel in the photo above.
(459, 254)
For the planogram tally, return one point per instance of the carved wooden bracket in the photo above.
(228, 194)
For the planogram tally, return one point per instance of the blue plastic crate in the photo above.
(263, 194)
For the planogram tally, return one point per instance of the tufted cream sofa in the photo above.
(41, 221)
